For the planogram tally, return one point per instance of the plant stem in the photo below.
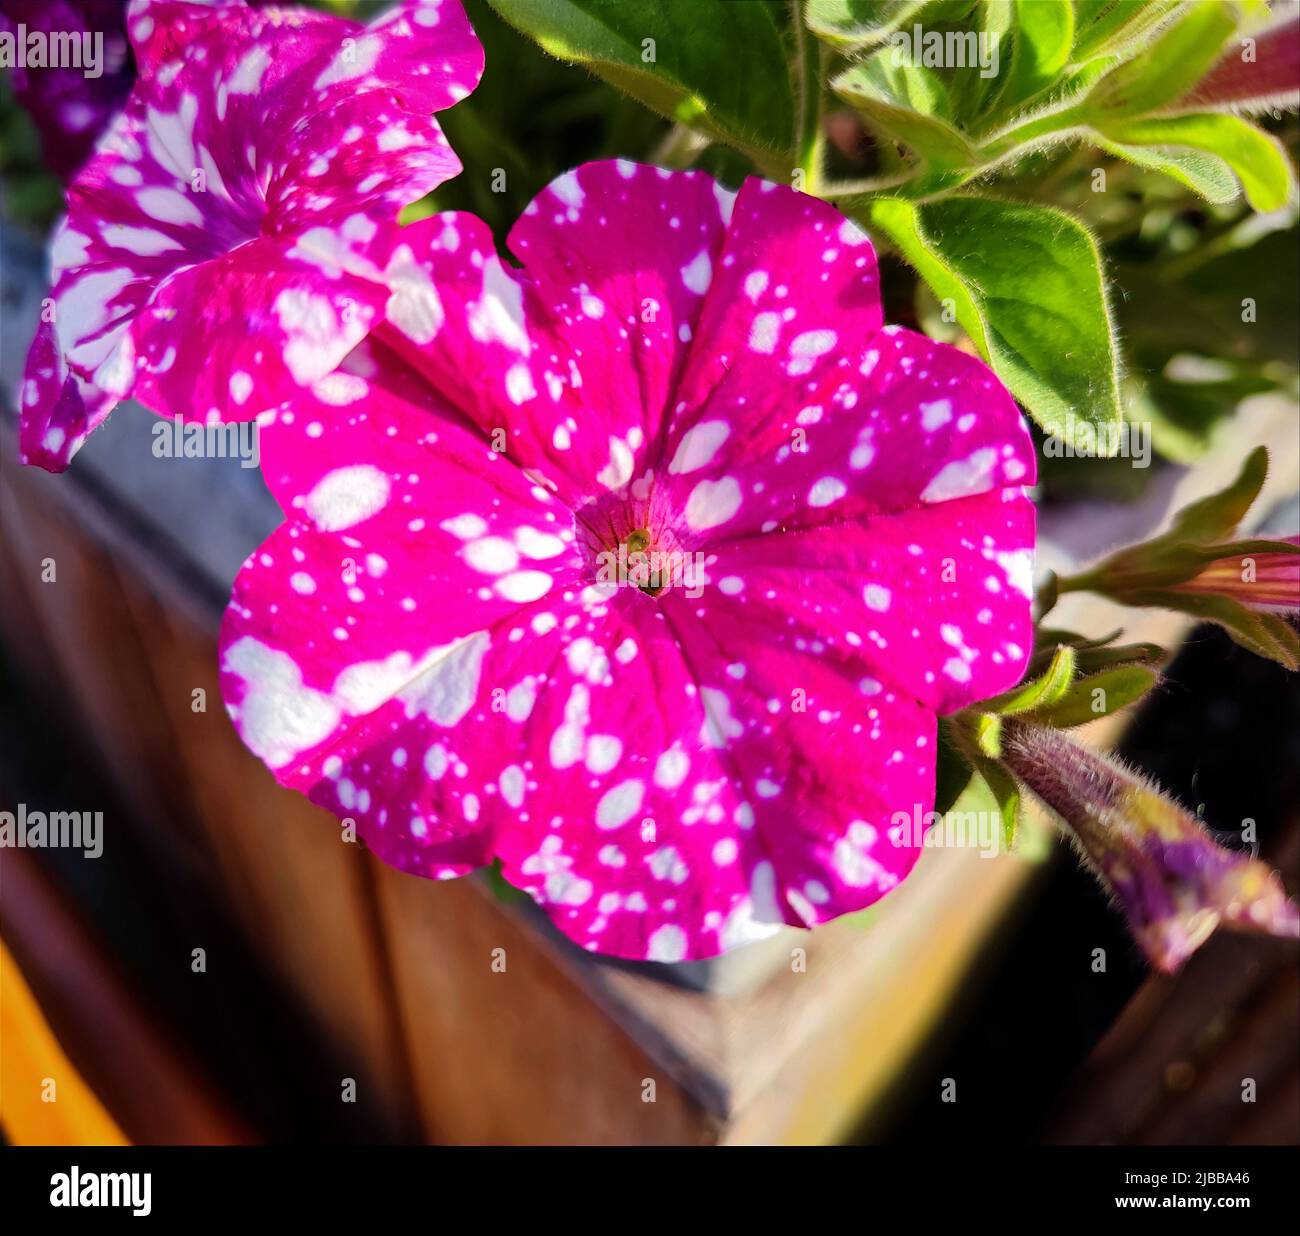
(679, 147)
(811, 140)
(1085, 581)
(834, 189)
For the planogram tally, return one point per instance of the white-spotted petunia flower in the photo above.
(644, 568)
(215, 252)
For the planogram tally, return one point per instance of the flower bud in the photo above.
(1174, 883)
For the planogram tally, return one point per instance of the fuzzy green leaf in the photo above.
(1102, 27)
(1196, 538)
(953, 770)
(1042, 34)
(1025, 283)
(1259, 160)
(1165, 71)
(1261, 632)
(1217, 515)
(1206, 175)
(1040, 691)
(861, 24)
(910, 103)
(1091, 655)
(966, 736)
(1006, 790)
(988, 734)
(1119, 687)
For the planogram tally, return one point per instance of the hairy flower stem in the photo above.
(1174, 883)
(811, 148)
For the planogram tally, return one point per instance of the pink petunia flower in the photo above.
(463, 640)
(215, 249)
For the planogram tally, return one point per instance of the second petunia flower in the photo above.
(644, 569)
(217, 247)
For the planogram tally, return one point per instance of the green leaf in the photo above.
(1217, 515)
(501, 888)
(1148, 574)
(962, 735)
(953, 770)
(861, 24)
(1025, 284)
(1091, 655)
(1259, 631)
(972, 93)
(908, 102)
(679, 58)
(1195, 539)
(1119, 687)
(1166, 562)
(1204, 174)
(988, 734)
(1042, 34)
(1258, 159)
(1006, 790)
(1039, 692)
(1105, 26)
(1166, 70)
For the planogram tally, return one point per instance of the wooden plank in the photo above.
(20, 624)
(519, 1057)
(91, 634)
(301, 893)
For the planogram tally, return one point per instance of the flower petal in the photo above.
(228, 338)
(797, 288)
(58, 408)
(623, 256)
(161, 29)
(284, 63)
(579, 353)
(826, 772)
(331, 618)
(934, 602)
(363, 159)
(899, 423)
(650, 818)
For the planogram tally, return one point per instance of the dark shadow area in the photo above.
(143, 906)
(1222, 735)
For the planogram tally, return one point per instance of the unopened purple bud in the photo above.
(1174, 883)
